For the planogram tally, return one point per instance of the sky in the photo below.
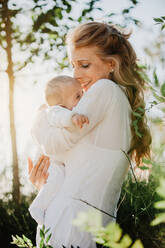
(29, 93)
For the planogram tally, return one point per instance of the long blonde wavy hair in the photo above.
(112, 43)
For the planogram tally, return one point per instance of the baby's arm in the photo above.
(64, 118)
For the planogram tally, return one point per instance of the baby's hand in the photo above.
(79, 120)
(43, 106)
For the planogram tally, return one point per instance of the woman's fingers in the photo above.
(45, 172)
(44, 167)
(30, 165)
(42, 173)
(38, 165)
(42, 164)
(38, 174)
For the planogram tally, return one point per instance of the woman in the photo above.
(104, 62)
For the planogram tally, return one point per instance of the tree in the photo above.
(50, 21)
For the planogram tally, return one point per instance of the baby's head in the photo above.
(64, 91)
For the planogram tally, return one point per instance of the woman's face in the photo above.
(88, 67)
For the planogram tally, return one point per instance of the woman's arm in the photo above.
(94, 105)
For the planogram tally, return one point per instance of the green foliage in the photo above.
(162, 89)
(161, 21)
(135, 212)
(15, 219)
(125, 16)
(138, 115)
(22, 242)
(136, 208)
(46, 33)
(160, 204)
(109, 236)
(25, 242)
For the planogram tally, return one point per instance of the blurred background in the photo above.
(32, 50)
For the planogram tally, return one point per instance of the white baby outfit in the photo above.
(57, 117)
(95, 166)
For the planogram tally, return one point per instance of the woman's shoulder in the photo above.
(103, 83)
(105, 86)
(110, 89)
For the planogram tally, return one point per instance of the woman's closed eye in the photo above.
(78, 97)
(85, 65)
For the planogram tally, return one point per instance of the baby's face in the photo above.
(72, 94)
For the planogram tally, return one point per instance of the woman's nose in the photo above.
(77, 74)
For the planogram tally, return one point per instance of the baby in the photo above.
(62, 93)
(65, 92)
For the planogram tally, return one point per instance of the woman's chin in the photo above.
(86, 87)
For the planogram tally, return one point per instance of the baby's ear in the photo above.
(43, 106)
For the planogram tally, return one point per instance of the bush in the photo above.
(135, 213)
(136, 210)
(15, 219)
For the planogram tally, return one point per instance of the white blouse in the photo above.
(95, 166)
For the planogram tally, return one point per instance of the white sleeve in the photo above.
(93, 104)
(60, 117)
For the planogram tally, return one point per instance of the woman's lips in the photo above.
(85, 85)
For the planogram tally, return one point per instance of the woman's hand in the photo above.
(38, 173)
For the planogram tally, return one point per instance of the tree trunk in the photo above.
(8, 30)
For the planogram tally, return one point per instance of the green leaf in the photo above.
(159, 98)
(143, 168)
(26, 239)
(42, 234)
(163, 26)
(160, 204)
(137, 244)
(162, 89)
(146, 161)
(156, 80)
(114, 231)
(137, 114)
(154, 103)
(48, 238)
(58, 13)
(79, 19)
(159, 219)
(99, 240)
(126, 241)
(134, 123)
(47, 230)
(42, 243)
(161, 189)
(141, 109)
(158, 20)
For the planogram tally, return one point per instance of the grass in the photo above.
(15, 220)
(135, 213)
(136, 210)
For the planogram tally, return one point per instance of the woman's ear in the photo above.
(112, 64)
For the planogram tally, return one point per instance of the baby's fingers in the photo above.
(80, 122)
(86, 120)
